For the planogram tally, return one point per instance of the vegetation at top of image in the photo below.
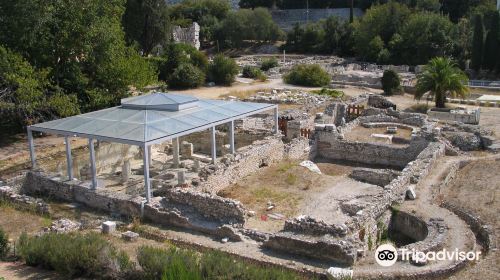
(329, 92)
(441, 77)
(311, 75)
(391, 82)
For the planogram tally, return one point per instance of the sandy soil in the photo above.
(363, 134)
(477, 188)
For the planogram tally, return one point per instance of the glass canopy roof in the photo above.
(151, 118)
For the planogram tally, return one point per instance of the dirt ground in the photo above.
(294, 191)
(477, 188)
(363, 134)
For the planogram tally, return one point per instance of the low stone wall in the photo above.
(340, 252)
(208, 205)
(332, 148)
(310, 226)
(408, 225)
(379, 177)
(249, 159)
(23, 202)
(468, 117)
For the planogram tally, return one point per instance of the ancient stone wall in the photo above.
(208, 205)
(332, 148)
(189, 35)
(248, 160)
(341, 252)
(379, 177)
(310, 226)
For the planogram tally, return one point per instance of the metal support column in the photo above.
(231, 137)
(69, 160)
(276, 121)
(214, 145)
(147, 182)
(92, 164)
(32, 149)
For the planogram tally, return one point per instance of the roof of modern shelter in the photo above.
(151, 118)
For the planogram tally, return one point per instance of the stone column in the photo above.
(231, 138)
(175, 149)
(32, 149)
(126, 170)
(213, 144)
(92, 163)
(276, 121)
(69, 160)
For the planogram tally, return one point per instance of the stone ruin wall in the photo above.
(189, 35)
(249, 159)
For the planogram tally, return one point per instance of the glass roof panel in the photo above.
(142, 125)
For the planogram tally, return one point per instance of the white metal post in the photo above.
(147, 182)
(276, 121)
(176, 152)
(92, 164)
(214, 145)
(32, 149)
(231, 137)
(69, 160)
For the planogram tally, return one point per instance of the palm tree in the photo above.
(442, 77)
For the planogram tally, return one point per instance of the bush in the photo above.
(391, 83)
(222, 70)
(173, 263)
(4, 244)
(186, 76)
(253, 73)
(269, 63)
(329, 92)
(74, 255)
(307, 75)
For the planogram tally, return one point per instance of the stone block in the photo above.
(410, 193)
(126, 170)
(130, 236)
(187, 149)
(339, 273)
(181, 177)
(108, 227)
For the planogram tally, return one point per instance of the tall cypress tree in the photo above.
(477, 43)
(491, 44)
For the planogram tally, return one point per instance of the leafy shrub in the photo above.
(391, 83)
(74, 255)
(186, 76)
(222, 70)
(4, 243)
(307, 75)
(253, 73)
(329, 92)
(269, 63)
(173, 263)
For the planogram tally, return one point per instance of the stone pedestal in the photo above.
(126, 170)
(187, 149)
(108, 227)
(181, 177)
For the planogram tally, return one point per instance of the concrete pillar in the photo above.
(147, 182)
(92, 163)
(69, 160)
(276, 125)
(32, 149)
(213, 144)
(175, 148)
(232, 149)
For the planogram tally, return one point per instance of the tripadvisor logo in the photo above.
(387, 255)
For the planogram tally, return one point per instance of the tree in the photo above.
(146, 22)
(186, 76)
(441, 77)
(391, 82)
(381, 21)
(222, 70)
(477, 43)
(424, 36)
(491, 45)
(311, 75)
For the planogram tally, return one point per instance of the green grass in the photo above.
(329, 92)
(284, 167)
(291, 179)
